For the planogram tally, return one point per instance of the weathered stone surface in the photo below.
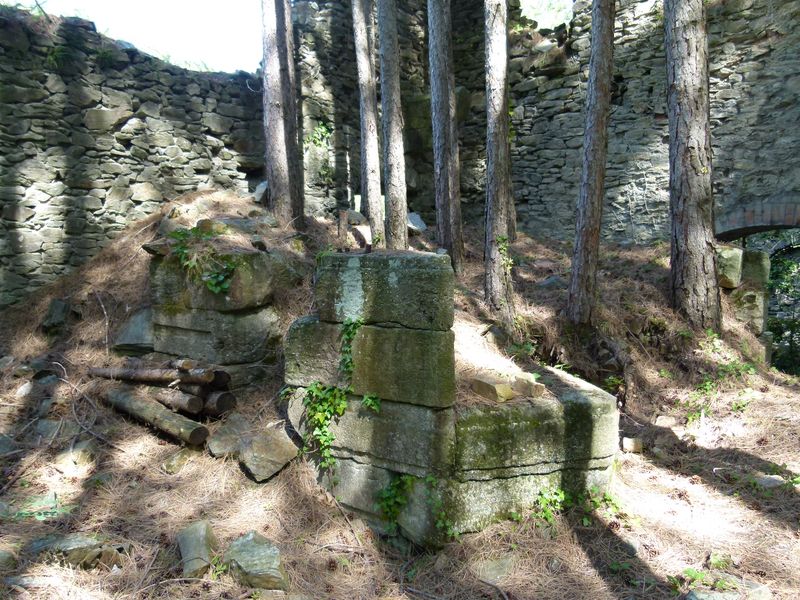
(729, 266)
(526, 384)
(755, 269)
(220, 338)
(411, 289)
(136, 336)
(227, 439)
(175, 462)
(196, 543)
(750, 306)
(492, 389)
(52, 429)
(80, 549)
(256, 562)
(406, 365)
(578, 432)
(56, 317)
(266, 453)
(80, 454)
(256, 278)
(102, 119)
(411, 439)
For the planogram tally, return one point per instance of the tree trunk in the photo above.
(283, 162)
(446, 171)
(370, 150)
(498, 287)
(165, 376)
(394, 160)
(126, 399)
(693, 271)
(582, 286)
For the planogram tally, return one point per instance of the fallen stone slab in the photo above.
(196, 543)
(56, 317)
(409, 289)
(227, 438)
(136, 336)
(264, 455)
(492, 389)
(256, 562)
(81, 549)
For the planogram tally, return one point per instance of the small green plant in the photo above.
(612, 384)
(58, 58)
(372, 402)
(393, 498)
(323, 404)
(550, 503)
(349, 330)
(320, 135)
(719, 562)
(526, 349)
(665, 374)
(218, 567)
(104, 58)
(443, 522)
(200, 261)
(735, 369)
(739, 406)
(506, 261)
(619, 567)
(695, 577)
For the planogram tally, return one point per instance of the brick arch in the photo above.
(765, 216)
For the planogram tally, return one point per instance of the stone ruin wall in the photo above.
(95, 134)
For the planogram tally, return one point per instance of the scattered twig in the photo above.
(28, 462)
(180, 580)
(421, 594)
(495, 587)
(80, 423)
(105, 315)
(346, 518)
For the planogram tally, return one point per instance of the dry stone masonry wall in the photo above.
(454, 467)
(95, 134)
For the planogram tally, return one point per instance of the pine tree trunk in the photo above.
(498, 288)
(370, 151)
(693, 273)
(394, 160)
(446, 170)
(582, 287)
(283, 164)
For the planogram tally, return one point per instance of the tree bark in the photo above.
(125, 398)
(583, 282)
(693, 270)
(198, 376)
(498, 287)
(446, 170)
(217, 403)
(283, 163)
(394, 160)
(370, 150)
(175, 399)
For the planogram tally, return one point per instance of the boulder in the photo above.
(196, 543)
(255, 279)
(227, 439)
(56, 317)
(405, 365)
(81, 549)
(256, 562)
(216, 337)
(265, 454)
(729, 266)
(409, 289)
(136, 336)
(416, 225)
(755, 269)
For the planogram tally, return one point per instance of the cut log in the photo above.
(125, 399)
(175, 399)
(164, 376)
(195, 389)
(217, 403)
(221, 381)
(184, 364)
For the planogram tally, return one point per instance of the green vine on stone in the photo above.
(393, 498)
(506, 261)
(199, 259)
(323, 403)
(350, 328)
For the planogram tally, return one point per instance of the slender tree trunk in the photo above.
(394, 160)
(582, 286)
(498, 288)
(693, 272)
(283, 164)
(446, 170)
(370, 151)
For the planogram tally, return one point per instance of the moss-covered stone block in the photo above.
(755, 269)
(404, 438)
(729, 266)
(216, 337)
(409, 289)
(255, 278)
(406, 365)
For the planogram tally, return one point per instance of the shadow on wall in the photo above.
(95, 134)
